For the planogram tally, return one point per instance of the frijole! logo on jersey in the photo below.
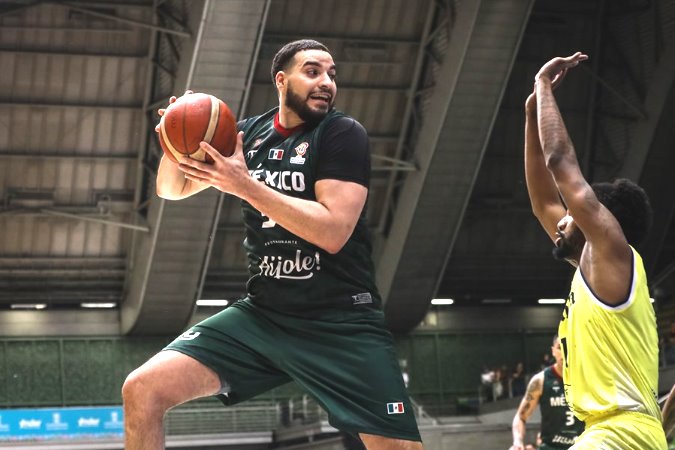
(300, 151)
(302, 267)
(276, 153)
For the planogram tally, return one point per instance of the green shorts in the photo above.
(348, 366)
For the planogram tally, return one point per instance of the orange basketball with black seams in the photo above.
(194, 118)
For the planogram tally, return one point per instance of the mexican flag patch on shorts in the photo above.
(395, 408)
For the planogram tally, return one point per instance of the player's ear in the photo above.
(280, 80)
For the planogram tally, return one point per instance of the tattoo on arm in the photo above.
(534, 390)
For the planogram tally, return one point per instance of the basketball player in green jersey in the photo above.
(608, 327)
(559, 427)
(313, 313)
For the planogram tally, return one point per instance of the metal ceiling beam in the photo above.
(69, 29)
(158, 300)
(53, 52)
(36, 104)
(408, 116)
(277, 37)
(54, 155)
(114, 223)
(134, 23)
(449, 153)
(651, 152)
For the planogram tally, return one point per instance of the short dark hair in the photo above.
(288, 51)
(629, 204)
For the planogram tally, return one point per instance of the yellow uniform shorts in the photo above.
(622, 431)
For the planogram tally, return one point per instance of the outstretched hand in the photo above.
(556, 69)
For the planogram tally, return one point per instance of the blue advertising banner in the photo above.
(48, 423)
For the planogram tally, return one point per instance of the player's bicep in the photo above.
(344, 200)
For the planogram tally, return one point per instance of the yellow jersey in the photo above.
(610, 352)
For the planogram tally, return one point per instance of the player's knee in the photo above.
(139, 390)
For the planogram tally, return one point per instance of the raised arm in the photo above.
(527, 406)
(607, 258)
(544, 197)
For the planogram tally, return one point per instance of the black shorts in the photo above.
(348, 366)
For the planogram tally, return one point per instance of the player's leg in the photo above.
(374, 442)
(350, 368)
(216, 356)
(164, 381)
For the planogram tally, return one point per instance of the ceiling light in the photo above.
(29, 306)
(98, 305)
(442, 301)
(551, 301)
(651, 299)
(216, 302)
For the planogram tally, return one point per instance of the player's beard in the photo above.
(299, 106)
(570, 246)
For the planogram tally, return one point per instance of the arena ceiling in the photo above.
(440, 86)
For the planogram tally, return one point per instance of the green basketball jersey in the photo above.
(559, 427)
(287, 273)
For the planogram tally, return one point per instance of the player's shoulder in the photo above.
(251, 122)
(537, 380)
(340, 122)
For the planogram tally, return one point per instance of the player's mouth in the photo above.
(559, 240)
(322, 97)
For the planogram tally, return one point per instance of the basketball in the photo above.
(194, 118)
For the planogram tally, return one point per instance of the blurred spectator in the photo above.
(497, 385)
(546, 361)
(518, 380)
(487, 379)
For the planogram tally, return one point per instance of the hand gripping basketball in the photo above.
(194, 118)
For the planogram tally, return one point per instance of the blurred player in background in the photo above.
(312, 313)
(608, 328)
(559, 427)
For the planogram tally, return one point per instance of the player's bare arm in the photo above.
(528, 404)
(171, 183)
(544, 198)
(327, 222)
(607, 259)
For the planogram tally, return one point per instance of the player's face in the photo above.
(555, 350)
(311, 88)
(570, 241)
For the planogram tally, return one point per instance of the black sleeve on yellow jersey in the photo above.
(344, 152)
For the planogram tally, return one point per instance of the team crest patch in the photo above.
(189, 335)
(300, 151)
(276, 154)
(395, 408)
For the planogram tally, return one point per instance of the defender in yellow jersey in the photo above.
(608, 327)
